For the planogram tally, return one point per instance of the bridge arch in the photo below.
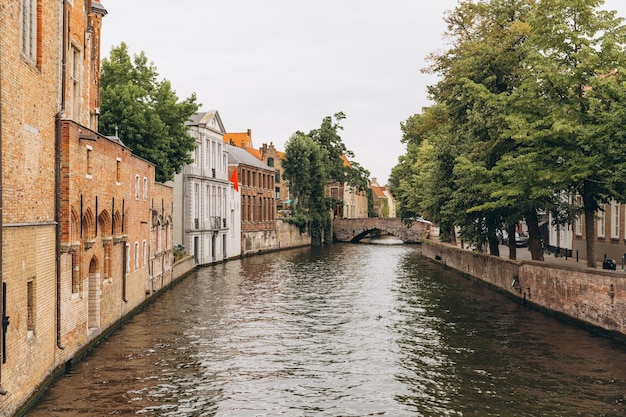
(369, 231)
(353, 230)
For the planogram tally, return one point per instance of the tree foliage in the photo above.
(529, 108)
(144, 112)
(311, 162)
(304, 168)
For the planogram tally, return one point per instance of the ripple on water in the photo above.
(350, 330)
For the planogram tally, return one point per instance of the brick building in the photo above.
(30, 99)
(86, 232)
(267, 154)
(258, 201)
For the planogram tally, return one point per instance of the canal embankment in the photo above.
(592, 297)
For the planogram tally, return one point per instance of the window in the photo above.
(30, 30)
(118, 171)
(127, 253)
(137, 186)
(75, 85)
(615, 222)
(334, 192)
(270, 162)
(196, 205)
(601, 214)
(207, 153)
(89, 161)
(217, 157)
(145, 188)
(136, 256)
(30, 305)
(579, 220)
(144, 260)
(75, 273)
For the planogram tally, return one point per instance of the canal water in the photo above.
(346, 330)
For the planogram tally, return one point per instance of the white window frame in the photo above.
(601, 222)
(144, 253)
(89, 162)
(76, 68)
(615, 224)
(136, 256)
(29, 29)
(127, 259)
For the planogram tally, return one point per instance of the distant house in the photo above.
(350, 202)
(270, 156)
(258, 200)
(610, 238)
(384, 203)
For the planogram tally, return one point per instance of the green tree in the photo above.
(422, 182)
(572, 104)
(484, 66)
(332, 147)
(145, 113)
(304, 168)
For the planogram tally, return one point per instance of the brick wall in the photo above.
(595, 298)
(28, 92)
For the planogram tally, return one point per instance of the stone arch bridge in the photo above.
(353, 230)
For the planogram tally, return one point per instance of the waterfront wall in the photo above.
(594, 298)
(289, 236)
(52, 367)
(285, 236)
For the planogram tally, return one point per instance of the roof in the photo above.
(378, 191)
(97, 7)
(346, 163)
(255, 152)
(239, 139)
(203, 119)
(238, 156)
(116, 139)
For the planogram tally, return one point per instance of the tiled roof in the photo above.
(379, 193)
(237, 155)
(346, 163)
(254, 152)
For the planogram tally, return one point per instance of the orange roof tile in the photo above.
(254, 152)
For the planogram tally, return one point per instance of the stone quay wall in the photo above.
(594, 298)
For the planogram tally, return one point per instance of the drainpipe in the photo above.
(5, 320)
(57, 176)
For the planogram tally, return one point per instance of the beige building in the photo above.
(350, 202)
(384, 203)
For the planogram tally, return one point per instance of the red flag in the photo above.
(234, 180)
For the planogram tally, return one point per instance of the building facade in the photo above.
(86, 231)
(610, 233)
(29, 71)
(274, 158)
(384, 203)
(258, 201)
(202, 194)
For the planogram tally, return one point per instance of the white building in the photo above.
(206, 219)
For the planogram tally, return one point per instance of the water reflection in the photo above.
(349, 330)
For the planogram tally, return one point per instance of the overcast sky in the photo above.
(279, 66)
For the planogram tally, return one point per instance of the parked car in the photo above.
(521, 239)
